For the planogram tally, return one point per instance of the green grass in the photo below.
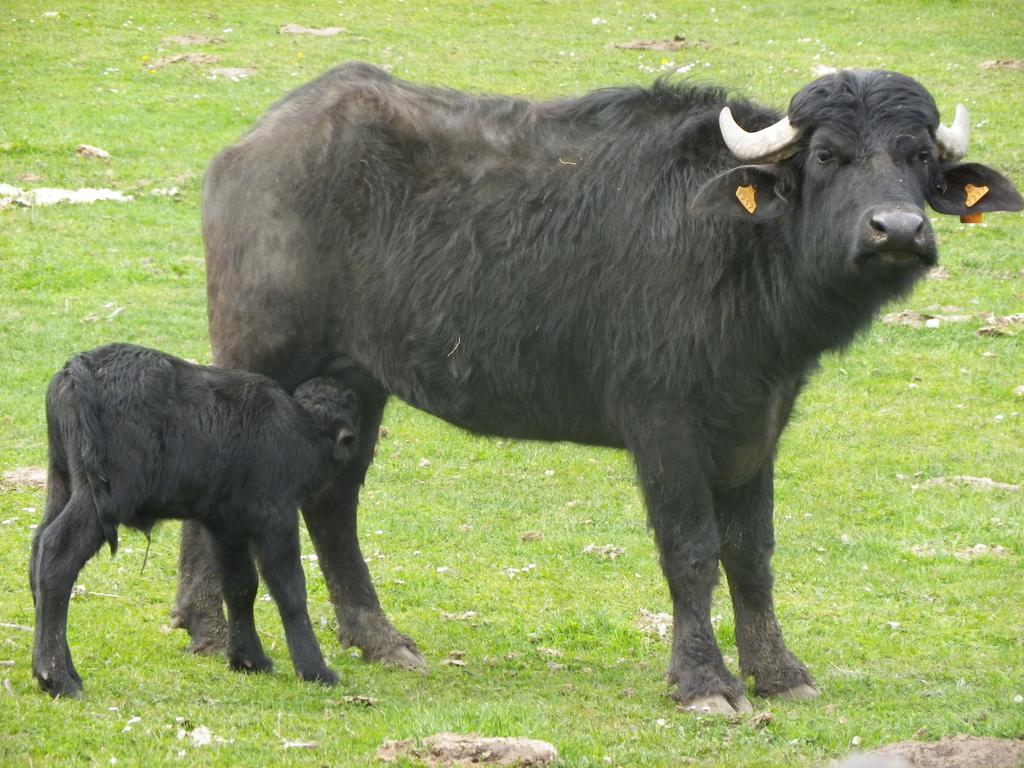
(847, 514)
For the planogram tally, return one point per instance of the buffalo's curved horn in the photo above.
(751, 146)
(953, 141)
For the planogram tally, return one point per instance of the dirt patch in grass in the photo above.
(445, 749)
(1002, 64)
(298, 29)
(957, 752)
(198, 59)
(233, 73)
(677, 42)
(24, 478)
(966, 481)
(192, 40)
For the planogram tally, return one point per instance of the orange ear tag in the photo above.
(746, 196)
(974, 194)
(972, 218)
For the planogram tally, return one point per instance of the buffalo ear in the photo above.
(752, 192)
(950, 194)
(344, 445)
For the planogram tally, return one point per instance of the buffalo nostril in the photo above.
(897, 225)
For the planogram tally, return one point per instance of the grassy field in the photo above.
(908, 636)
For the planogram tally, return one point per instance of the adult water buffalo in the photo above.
(628, 268)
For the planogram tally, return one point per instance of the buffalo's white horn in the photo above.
(953, 141)
(751, 146)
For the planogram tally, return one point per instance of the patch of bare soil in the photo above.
(966, 481)
(192, 40)
(652, 623)
(233, 73)
(452, 749)
(677, 42)
(91, 153)
(298, 29)
(604, 551)
(24, 478)
(957, 752)
(1002, 64)
(186, 58)
(994, 325)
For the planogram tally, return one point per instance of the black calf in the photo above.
(137, 436)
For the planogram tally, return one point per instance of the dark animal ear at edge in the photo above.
(344, 444)
(950, 195)
(770, 190)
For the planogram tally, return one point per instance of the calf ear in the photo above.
(962, 183)
(344, 444)
(752, 192)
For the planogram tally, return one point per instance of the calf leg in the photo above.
(680, 511)
(57, 496)
(198, 606)
(330, 516)
(61, 550)
(239, 581)
(748, 540)
(282, 570)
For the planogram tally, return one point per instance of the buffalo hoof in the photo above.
(251, 664)
(373, 634)
(402, 656)
(324, 676)
(209, 634)
(717, 705)
(60, 686)
(798, 693)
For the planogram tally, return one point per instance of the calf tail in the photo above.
(84, 433)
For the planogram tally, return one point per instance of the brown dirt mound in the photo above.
(24, 478)
(957, 752)
(452, 749)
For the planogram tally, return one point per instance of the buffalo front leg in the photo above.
(680, 511)
(198, 606)
(330, 516)
(282, 570)
(747, 542)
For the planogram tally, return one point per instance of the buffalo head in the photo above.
(852, 165)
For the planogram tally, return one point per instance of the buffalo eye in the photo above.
(924, 156)
(823, 155)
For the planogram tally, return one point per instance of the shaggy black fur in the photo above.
(138, 436)
(575, 270)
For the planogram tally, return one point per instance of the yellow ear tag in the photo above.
(746, 196)
(974, 194)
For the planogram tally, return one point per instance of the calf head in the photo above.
(847, 174)
(335, 408)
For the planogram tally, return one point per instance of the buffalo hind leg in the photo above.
(330, 516)
(198, 606)
(747, 541)
(239, 581)
(282, 570)
(680, 512)
(60, 553)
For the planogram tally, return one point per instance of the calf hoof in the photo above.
(717, 705)
(324, 676)
(250, 664)
(60, 686)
